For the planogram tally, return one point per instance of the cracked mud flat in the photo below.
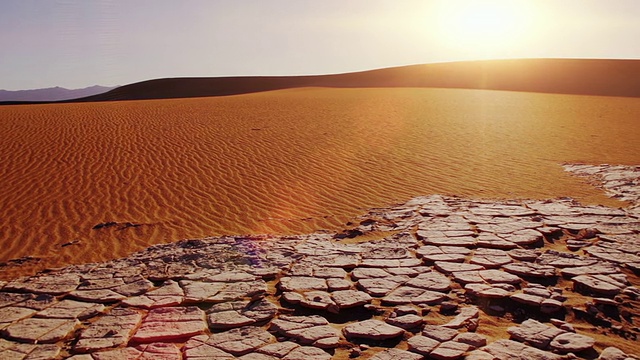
(434, 278)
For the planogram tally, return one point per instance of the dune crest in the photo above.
(600, 77)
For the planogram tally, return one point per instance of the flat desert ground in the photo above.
(282, 162)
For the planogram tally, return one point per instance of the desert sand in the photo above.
(282, 162)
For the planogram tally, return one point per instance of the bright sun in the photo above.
(485, 28)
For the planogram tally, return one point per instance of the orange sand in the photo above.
(291, 161)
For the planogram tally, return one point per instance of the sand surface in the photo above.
(291, 161)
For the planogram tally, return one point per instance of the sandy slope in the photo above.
(602, 77)
(290, 161)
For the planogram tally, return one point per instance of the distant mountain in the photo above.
(51, 94)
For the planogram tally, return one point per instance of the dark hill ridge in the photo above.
(563, 76)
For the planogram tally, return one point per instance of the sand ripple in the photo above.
(290, 161)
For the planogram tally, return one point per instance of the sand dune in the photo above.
(291, 161)
(602, 77)
(563, 76)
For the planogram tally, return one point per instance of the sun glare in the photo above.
(485, 28)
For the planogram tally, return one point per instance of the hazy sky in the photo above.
(78, 43)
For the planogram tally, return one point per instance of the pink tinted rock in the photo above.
(171, 323)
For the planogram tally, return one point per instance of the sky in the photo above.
(79, 43)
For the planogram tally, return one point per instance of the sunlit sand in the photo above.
(290, 161)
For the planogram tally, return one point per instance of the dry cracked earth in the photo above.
(434, 278)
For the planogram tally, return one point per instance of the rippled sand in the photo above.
(291, 161)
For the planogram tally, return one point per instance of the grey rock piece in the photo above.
(16, 299)
(381, 286)
(202, 291)
(169, 294)
(449, 267)
(528, 255)
(329, 272)
(307, 353)
(405, 310)
(462, 241)
(171, 323)
(450, 350)
(486, 291)
(601, 268)
(279, 349)
(320, 300)
(490, 258)
(301, 283)
(493, 241)
(562, 260)
(70, 309)
(605, 285)
(410, 321)
(369, 273)
(110, 289)
(468, 277)
(215, 275)
(432, 280)
(240, 341)
(308, 330)
(350, 298)
(385, 252)
(571, 342)
(339, 284)
(534, 333)
(464, 317)
(163, 351)
(472, 339)
(36, 330)
(48, 284)
(530, 270)
(412, 295)
(100, 295)
(528, 299)
(439, 333)
(612, 255)
(200, 348)
(111, 330)
(10, 314)
(422, 344)
(35, 302)
(432, 253)
(240, 313)
(509, 349)
(396, 354)
(523, 237)
(563, 325)
(372, 329)
(499, 277)
(14, 350)
(537, 290)
(550, 306)
(292, 297)
(613, 353)
(391, 263)
(480, 355)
